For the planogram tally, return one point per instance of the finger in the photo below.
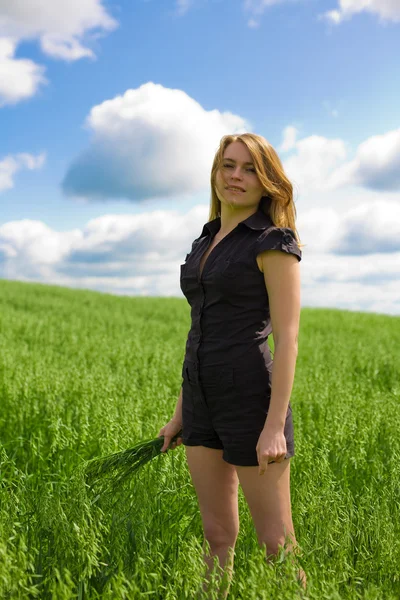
(263, 466)
(167, 440)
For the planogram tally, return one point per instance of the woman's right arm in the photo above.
(177, 417)
(173, 427)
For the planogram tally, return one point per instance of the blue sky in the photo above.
(110, 113)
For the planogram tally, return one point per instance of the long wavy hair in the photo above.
(277, 201)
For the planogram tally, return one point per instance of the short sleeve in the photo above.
(278, 238)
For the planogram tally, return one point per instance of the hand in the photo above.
(169, 431)
(271, 446)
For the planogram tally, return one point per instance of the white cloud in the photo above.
(320, 163)
(141, 254)
(314, 162)
(375, 166)
(289, 138)
(64, 31)
(374, 289)
(371, 227)
(351, 257)
(11, 164)
(67, 23)
(152, 142)
(386, 10)
(137, 254)
(20, 78)
(32, 243)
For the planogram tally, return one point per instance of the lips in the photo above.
(236, 187)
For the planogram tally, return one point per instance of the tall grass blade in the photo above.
(110, 472)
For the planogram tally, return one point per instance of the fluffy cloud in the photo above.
(366, 229)
(386, 10)
(370, 229)
(32, 243)
(375, 166)
(11, 164)
(351, 259)
(64, 31)
(314, 160)
(289, 138)
(154, 142)
(151, 142)
(20, 78)
(319, 163)
(137, 254)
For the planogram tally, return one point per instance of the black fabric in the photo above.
(230, 325)
(225, 408)
(279, 238)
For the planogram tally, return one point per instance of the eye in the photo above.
(249, 169)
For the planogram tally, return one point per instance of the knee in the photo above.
(273, 544)
(275, 538)
(220, 535)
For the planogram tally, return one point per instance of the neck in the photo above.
(231, 216)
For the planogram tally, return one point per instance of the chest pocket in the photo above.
(240, 280)
(232, 269)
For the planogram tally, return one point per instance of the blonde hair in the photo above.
(277, 200)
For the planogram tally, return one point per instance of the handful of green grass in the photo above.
(110, 472)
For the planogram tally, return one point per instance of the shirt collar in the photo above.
(258, 221)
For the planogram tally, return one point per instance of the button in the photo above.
(287, 237)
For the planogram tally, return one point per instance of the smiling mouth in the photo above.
(234, 189)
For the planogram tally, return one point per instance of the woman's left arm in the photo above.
(282, 280)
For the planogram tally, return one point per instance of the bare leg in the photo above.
(216, 484)
(268, 497)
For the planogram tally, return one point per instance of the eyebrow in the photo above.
(231, 159)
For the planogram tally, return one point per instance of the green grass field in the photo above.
(83, 374)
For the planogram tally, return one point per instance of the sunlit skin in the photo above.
(235, 171)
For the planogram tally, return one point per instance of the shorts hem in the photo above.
(201, 443)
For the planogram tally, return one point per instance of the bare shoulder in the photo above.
(274, 263)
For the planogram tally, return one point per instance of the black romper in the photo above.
(227, 365)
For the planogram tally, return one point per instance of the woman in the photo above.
(242, 280)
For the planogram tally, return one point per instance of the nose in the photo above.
(236, 173)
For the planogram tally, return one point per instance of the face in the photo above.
(238, 170)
